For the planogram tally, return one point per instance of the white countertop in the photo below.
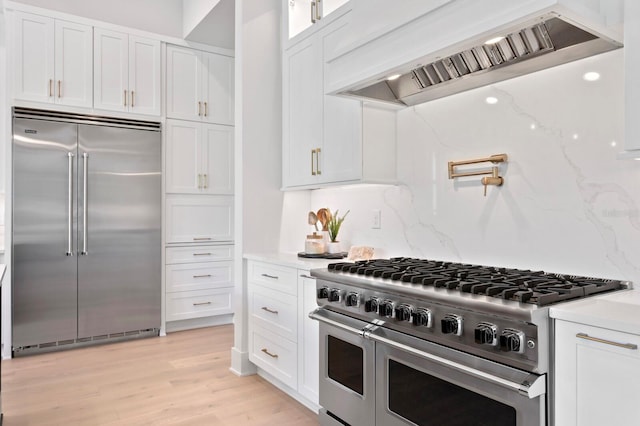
(618, 311)
(291, 259)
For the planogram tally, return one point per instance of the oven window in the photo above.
(345, 364)
(427, 400)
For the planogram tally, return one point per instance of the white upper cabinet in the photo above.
(199, 86)
(53, 61)
(199, 158)
(323, 139)
(126, 73)
(302, 14)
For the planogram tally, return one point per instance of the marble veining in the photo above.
(567, 204)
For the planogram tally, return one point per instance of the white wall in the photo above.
(161, 17)
(194, 11)
(567, 205)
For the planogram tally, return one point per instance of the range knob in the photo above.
(323, 293)
(451, 324)
(386, 309)
(352, 299)
(403, 312)
(486, 334)
(335, 295)
(423, 317)
(371, 305)
(512, 340)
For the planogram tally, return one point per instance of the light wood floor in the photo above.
(181, 379)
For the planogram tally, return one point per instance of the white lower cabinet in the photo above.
(596, 376)
(283, 340)
(199, 281)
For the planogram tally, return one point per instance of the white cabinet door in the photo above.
(596, 381)
(110, 80)
(74, 64)
(199, 218)
(217, 86)
(302, 113)
(216, 151)
(183, 83)
(308, 343)
(33, 57)
(183, 161)
(144, 75)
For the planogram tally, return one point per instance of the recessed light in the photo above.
(614, 143)
(591, 76)
(533, 126)
(575, 136)
(393, 77)
(494, 40)
(491, 100)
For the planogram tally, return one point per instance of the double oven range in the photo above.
(419, 342)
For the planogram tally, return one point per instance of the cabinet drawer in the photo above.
(198, 254)
(199, 218)
(276, 312)
(200, 303)
(273, 276)
(275, 355)
(198, 276)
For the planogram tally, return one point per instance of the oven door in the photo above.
(347, 370)
(422, 383)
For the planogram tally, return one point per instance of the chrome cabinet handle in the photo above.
(133, 99)
(264, 308)
(202, 276)
(201, 239)
(201, 303)
(202, 254)
(85, 194)
(266, 351)
(318, 161)
(585, 336)
(273, 277)
(313, 13)
(59, 89)
(318, 10)
(70, 207)
(125, 98)
(50, 88)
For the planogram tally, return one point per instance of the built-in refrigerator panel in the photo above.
(119, 238)
(44, 244)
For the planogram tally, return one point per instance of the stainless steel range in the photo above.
(414, 341)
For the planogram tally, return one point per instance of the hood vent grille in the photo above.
(547, 43)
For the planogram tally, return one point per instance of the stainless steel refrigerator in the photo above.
(86, 229)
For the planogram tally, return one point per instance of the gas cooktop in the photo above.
(525, 286)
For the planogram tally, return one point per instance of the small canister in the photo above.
(314, 244)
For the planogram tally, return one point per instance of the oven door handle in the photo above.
(532, 386)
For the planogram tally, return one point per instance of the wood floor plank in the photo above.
(182, 379)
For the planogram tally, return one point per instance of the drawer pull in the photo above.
(266, 351)
(273, 277)
(201, 303)
(307, 276)
(202, 276)
(202, 254)
(202, 239)
(264, 308)
(607, 342)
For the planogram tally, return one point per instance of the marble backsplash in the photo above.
(567, 204)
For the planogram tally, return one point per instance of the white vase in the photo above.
(333, 247)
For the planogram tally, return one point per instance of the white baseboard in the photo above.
(198, 323)
(240, 364)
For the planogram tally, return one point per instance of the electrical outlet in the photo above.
(376, 219)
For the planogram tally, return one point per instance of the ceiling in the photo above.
(217, 28)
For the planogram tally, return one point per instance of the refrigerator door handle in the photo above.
(70, 207)
(85, 190)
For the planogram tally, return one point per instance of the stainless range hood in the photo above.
(547, 42)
